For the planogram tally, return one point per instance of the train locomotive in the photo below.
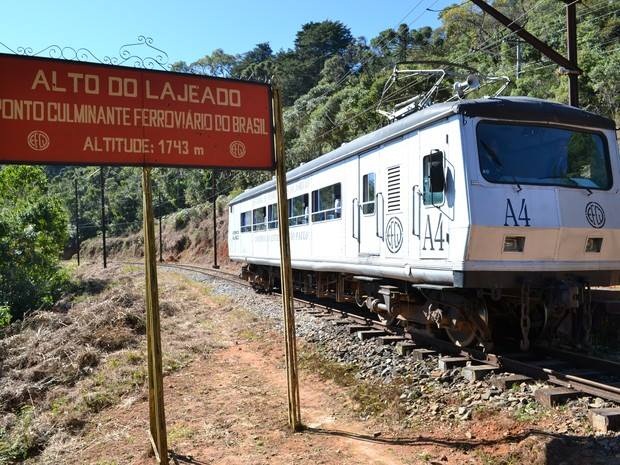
(483, 219)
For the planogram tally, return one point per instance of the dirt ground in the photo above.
(225, 395)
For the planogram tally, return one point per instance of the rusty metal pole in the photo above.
(157, 415)
(213, 199)
(286, 272)
(571, 47)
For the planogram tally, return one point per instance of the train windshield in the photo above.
(543, 155)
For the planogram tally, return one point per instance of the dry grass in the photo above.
(58, 367)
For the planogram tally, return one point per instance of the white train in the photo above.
(486, 218)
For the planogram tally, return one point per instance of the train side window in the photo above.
(246, 221)
(258, 219)
(272, 216)
(326, 203)
(368, 194)
(298, 210)
(433, 179)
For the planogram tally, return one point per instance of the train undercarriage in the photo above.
(557, 314)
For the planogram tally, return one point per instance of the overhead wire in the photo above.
(461, 58)
(366, 110)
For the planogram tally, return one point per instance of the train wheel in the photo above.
(464, 331)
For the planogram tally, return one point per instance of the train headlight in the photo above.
(594, 244)
(514, 243)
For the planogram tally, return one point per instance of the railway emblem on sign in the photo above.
(394, 235)
(237, 149)
(38, 140)
(595, 215)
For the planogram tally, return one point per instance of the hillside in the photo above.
(187, 237)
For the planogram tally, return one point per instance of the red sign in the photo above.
(66, 112)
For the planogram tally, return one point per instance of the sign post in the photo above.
(214, 205)
(286, 273)
(103, 220)
(158, 436)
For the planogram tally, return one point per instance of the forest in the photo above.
(332, 84)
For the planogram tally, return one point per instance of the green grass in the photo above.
(528, 412)
(21, 442)
(120, 374)
(371, 398)
(59, 405)
(178, 434)
(248, 334)
(511, 458)
(425, 456)
(131, 269)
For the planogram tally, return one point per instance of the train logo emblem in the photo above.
(38, 140)
(237, 149)
(394, 235)
(595, 215)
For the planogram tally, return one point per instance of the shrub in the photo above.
(181, 219)
(5, 315)
(33, 232)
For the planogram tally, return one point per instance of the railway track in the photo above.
(573, 373)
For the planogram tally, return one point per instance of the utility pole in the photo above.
(213, 200)
(77, 220)
(102, 183)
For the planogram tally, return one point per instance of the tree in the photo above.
(33, 232)
(256, 64)
(299, 70)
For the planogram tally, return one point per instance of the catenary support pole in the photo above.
(569, 65)
(571, 47)
(518, 64)
(286, 273)
(103, 225)
(213, 199)
(155, 371)
(77, 220)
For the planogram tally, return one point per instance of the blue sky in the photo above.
(189, 29)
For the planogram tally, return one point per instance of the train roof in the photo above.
(509, 108)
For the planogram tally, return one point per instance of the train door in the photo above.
(433, 216)
(369, 206)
